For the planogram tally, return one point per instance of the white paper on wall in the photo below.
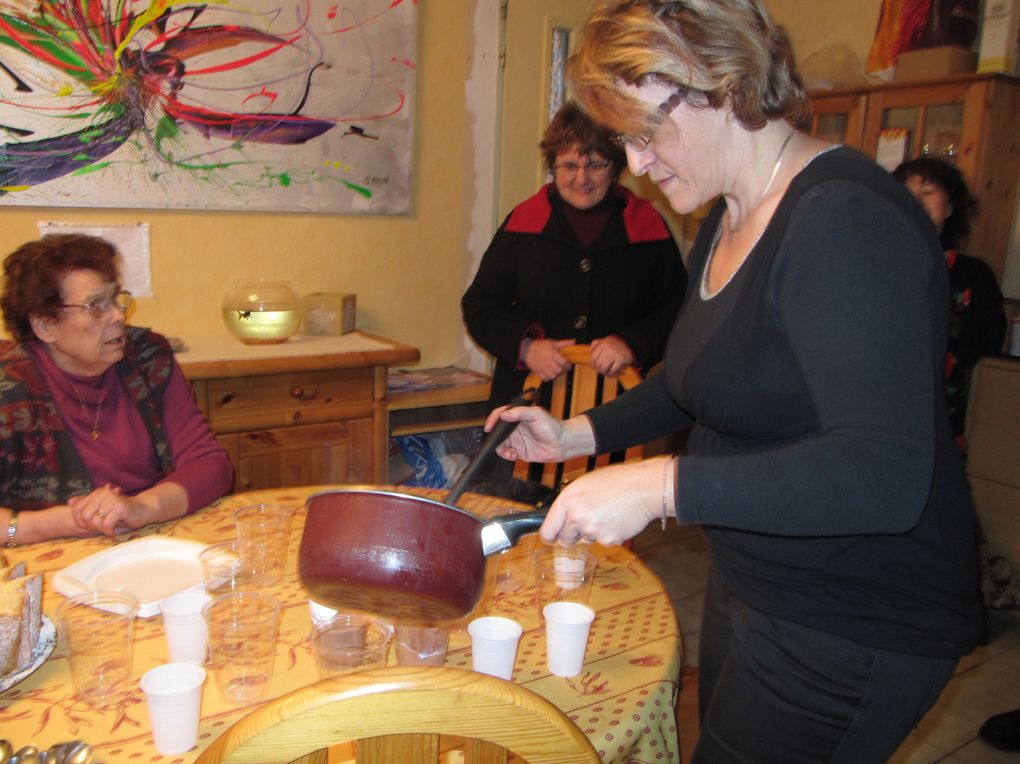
(130, 239)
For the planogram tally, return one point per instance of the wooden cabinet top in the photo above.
(963, 78)
(221, 355)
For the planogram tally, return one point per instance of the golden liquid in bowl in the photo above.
(262, 327)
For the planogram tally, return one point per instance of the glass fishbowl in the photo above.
(262, 311)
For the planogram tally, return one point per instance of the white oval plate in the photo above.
(151, 568)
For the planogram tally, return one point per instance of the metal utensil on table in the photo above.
(27, 754)
(80, 752)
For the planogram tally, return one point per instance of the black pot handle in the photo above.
(500, 432)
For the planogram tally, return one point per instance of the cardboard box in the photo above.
(329, 313)
(999, 27)
(926, 63)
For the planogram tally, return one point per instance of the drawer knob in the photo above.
(297, 392)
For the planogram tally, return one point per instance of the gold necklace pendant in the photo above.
(95, 432)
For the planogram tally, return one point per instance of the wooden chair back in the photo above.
(397, 714)
(579, 389)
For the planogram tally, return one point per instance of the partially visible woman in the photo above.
(99, 431)
(807, 361)
(584, 260)
(977, 319)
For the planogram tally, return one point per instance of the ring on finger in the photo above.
(100, 514)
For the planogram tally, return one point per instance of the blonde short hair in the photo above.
(712, 51)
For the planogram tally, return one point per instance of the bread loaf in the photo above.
(20, 617)
(12, 606)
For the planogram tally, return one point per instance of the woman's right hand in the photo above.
(540, 437)
(545, 359)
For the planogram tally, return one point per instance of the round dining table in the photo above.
(623, 700)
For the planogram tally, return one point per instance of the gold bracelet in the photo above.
(665, 488)
(12, 528)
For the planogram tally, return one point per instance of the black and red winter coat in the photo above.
(537, 280)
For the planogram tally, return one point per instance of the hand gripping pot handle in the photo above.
(500, 432)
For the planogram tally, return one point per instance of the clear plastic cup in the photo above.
(223, 570)
(98, 630)
(263, 535)
(243, 628)
(563, 574)
(350, 642)
(421, 645)
(173, 695)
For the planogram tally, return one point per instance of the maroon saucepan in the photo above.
(405, 556)
(401, 556)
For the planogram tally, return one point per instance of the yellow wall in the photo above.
(817, 24)
(409, 271)
(406, 271)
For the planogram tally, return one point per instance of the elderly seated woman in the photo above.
(99, 431)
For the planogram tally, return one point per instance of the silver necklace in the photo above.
(703, 286)
(96, 433)
(775, 170)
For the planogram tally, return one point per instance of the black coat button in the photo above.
(581, 321)
(585, 265)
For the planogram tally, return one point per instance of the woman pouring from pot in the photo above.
(807, 360)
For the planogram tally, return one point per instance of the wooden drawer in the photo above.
(315, 454)
(279, 400)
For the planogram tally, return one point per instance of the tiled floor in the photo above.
(987, 682)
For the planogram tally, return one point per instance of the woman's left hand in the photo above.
(609, 505)
(609, 355)
(107, 511)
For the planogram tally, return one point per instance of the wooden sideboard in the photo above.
(968, 119)
(310, 411)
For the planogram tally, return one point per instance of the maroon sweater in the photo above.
(49, 456)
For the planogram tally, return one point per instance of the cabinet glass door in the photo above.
(838, 117)
(932, 130)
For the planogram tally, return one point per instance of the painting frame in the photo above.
(164, 104)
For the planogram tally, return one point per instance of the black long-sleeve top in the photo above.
(820, 458)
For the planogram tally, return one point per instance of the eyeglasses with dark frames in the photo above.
(97, 307)
(572, 168)
(640, 142)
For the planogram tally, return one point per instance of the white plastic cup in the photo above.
(187, 637)
(173, 694)
(494, 645)
(567, 625)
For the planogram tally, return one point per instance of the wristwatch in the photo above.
(12, 528)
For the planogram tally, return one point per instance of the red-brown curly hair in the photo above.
(34, 272)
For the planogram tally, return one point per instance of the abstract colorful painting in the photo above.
(300, 105)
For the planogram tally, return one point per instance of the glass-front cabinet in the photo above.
(839, 117)
(969, 120)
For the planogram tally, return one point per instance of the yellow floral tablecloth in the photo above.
(623, 700)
